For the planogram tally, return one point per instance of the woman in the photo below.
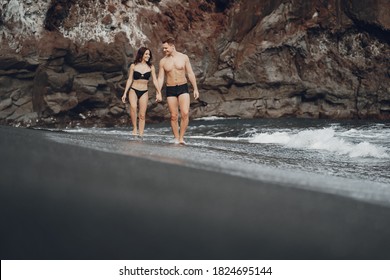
(139, 74)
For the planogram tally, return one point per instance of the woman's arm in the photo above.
(129, 82)
(156, 85)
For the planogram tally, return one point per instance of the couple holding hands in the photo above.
(175, 65)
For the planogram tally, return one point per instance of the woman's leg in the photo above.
(133, 110)
(143, 104)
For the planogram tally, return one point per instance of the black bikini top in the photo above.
(141, 76)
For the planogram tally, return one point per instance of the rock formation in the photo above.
(64, 63)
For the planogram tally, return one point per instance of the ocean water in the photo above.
(347, 158)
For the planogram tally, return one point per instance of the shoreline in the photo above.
(199, 157)
(61, 201)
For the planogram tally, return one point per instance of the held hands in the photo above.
(158, 97)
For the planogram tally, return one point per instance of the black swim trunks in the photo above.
(176, 90)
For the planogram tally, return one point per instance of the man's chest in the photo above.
(174, 64)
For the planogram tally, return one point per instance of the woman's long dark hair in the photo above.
(141, 53)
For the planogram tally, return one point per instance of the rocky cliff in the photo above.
(64, 62)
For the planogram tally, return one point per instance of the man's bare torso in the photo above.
(175, 69)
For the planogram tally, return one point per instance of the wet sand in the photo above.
(59, 201)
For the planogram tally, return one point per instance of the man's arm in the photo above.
(191, 77)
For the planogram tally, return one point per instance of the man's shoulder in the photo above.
(183, 55)
(162, 60)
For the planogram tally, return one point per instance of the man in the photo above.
(175, 65)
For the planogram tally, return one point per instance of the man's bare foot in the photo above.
(182, 142)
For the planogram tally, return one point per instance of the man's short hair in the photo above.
(169, 40)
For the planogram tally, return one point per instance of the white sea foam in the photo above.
(213, 118)
(376, 133)
(98, 131)
(313, 139)
(216, 137)
(321, 139)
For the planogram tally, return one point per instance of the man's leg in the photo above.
(184, 104)
(173, 109)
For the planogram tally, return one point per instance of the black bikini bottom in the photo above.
(176, 90)
(139, 93)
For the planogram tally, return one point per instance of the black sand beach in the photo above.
(59, 201)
